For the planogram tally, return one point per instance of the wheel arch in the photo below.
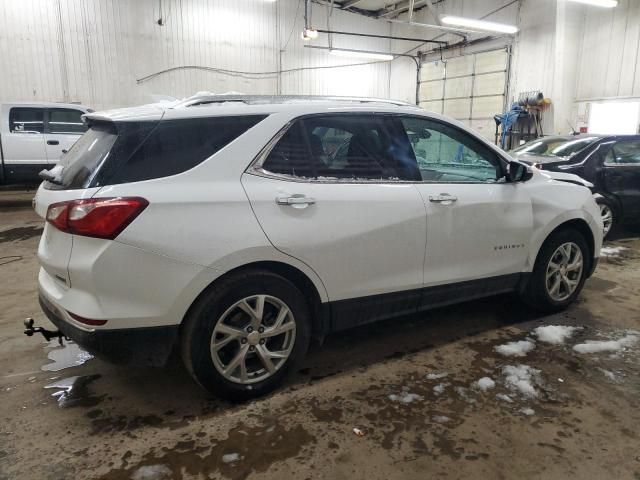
(319, 315)
(582, 227)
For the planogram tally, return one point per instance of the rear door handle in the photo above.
(443, 198)
(295, 200)
(53, 142)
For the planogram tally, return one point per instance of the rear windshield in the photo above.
(113, 153)
(556, 146)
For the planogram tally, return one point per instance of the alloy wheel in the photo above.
(607, 218)
(564, 271)
(253, 339)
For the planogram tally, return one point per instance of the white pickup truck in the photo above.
(34, 135)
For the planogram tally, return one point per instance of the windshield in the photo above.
(555, 146)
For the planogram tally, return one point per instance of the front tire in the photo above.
(245, 334)
(608, 216)
(559, 272)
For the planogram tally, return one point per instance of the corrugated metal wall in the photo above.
(610, 60)
(94, 51)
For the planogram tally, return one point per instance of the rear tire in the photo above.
(243, 336)
(559, 272)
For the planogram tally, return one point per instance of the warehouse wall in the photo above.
(96, 51)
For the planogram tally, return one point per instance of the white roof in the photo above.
(219, 105)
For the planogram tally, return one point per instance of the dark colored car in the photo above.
(610, 162)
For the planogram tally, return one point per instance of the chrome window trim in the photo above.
(255, 167)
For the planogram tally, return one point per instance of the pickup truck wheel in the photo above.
(244, 335)
(559, 272)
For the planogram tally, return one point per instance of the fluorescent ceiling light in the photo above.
(598, 3)
(360, 54)
(478, 24)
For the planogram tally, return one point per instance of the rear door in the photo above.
(63, 127)
(23, 143)
(622, 175)
(329, 194)
(478, 226)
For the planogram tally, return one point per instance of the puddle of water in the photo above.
(71, 355)
(74, 392)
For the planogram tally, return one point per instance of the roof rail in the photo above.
(198, 100)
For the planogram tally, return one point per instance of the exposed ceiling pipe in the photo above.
(411, 2)
(390, 37)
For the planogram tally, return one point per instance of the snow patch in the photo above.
(515, 349)
(596, 346)
(435, 376)
(504, 398)
(152, 472)
(230, 457)
(521, 378)
(612, 251)
(439, 389)
(405, 397)
(484, 384)
(609, 374)
(440, 418)
(527, 411)
(555, 334)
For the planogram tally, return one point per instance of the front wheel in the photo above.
(559, 272)
(607, 215)
(245, 334)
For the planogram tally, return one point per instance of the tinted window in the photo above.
(624, 153)
(556, 146)
(66, 120)
(446, 154)
(26, 120)
(112, 153)
(354, 147)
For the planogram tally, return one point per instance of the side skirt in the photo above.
(359, 311)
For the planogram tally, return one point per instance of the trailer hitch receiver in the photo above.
(29, 330)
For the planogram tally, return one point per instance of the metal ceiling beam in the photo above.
(403, 8)
(349, 3)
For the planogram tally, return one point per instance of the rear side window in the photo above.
(27, 120)
(114, 153)
(350, 147)
(66, 120)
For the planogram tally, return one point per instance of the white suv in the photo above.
(238, 228)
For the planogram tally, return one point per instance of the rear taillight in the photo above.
(96, 217)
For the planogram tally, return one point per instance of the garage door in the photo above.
(471, 88)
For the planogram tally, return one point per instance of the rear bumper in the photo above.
(134, 346)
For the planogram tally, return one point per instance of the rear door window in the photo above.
(340, 147)
(66, 120)
(113, 153)
(26, 120)
(624, 153)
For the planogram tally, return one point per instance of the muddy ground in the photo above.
(97, 421)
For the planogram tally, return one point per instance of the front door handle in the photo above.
(53, 142)
(295, 200)
(443, 198)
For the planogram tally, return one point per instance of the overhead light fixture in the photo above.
(478, 24)
(360, 54)
(598, 3)
(309, 34)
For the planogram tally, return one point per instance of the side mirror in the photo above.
(519, 172)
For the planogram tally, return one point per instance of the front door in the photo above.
(478, 225)
(330, 194)
(621, 170)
